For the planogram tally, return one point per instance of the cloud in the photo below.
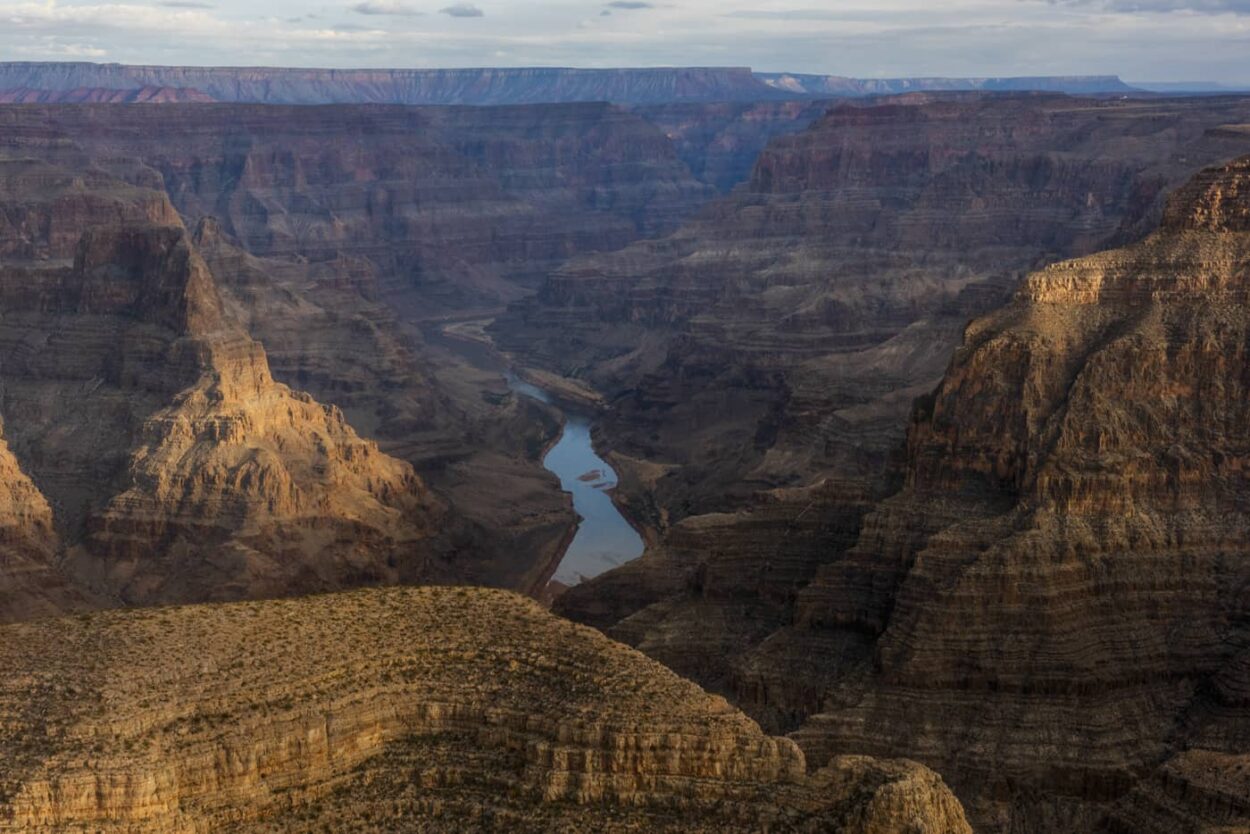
(399, 8)
(462, 10)
(630, 4)
(187, 4)
(1160, 6)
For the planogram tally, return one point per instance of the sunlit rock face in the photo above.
(400, 710)
(1068, 553)
(146, 368)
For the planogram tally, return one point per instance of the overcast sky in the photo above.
(1143, 40)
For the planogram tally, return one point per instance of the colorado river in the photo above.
(604, 538)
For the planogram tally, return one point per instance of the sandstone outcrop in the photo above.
(401, 710)
(152, 457)
(1063, 576)
(31, 584)
(277, 488)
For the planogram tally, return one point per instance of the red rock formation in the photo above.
(1063, 577)
(239, 487)
(173, 466)
(31, 585)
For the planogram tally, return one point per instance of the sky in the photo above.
(1140, 40)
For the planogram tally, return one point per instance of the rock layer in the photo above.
(1063, 576)
(774, 345)
(31, 584)
(164, 461)
(781, 334)
(498, 85)
(405, 709)
(333, 236)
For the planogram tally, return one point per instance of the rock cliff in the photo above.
(152, 456)
(278, 488)
(102, 95)
(775, 343)
(31, 583)
(400, 710)
(485, 86)
(341, 239)
(839, 85)
(1053, 606)
(1063, 577)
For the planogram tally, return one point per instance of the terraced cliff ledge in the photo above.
(399, 710)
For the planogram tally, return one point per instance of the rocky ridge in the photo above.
(838, 85)
(404, 709)
(164, 462)
(776, 342)
(1061, 576)
(1068, 549)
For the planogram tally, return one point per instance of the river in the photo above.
(604, 538)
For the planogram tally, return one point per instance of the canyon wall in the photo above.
(793, 359)
(841, 86)
(339, 239)
(153, 456)
(400, 710)
(1064, 574)
(779, 337)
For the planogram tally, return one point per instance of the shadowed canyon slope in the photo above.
(782, 333)
(1068, 556)
(175, 466)
(1053, 611)
(763, 359)
(332, 236)
(400, 710)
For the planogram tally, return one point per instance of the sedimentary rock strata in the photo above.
(782, 333)
(1052, 610)
(31, 583)
(151, 455)
(1063, 576)
(339, 238)
(401, 710)
(499, 85)
(788, 329)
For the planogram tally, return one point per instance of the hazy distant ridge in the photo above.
(492, 86)
(836, 85)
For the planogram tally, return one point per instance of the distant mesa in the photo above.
(103, 95)
(119, 83)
